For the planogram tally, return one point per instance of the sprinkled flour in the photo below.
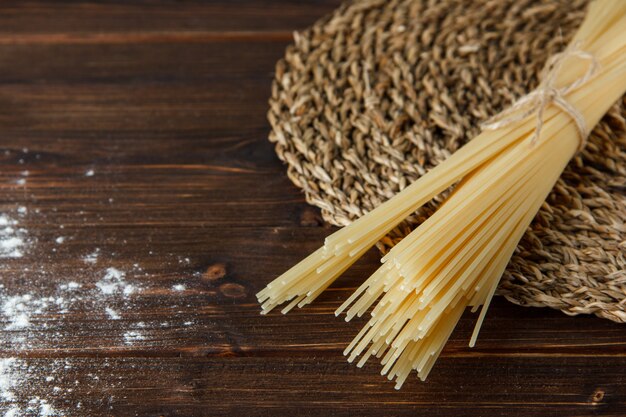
(18, 375)
(12, 238)
(111, 294)
(7, 383)
(28, 389)
(35, 304)
(27, 314)
(18, 309)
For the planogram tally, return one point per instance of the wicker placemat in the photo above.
(372, 96)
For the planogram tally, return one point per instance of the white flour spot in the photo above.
(17, 310)
(70, 286)
(19, 322)
(113, 315)
(133, 336)
(179, 287)
(59, 240)
(45, 409)
(107, 289)
(112, 282)
(89, 173)
(92, 258)
(20, 181)
(129, 289)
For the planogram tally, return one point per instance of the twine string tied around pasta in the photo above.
(547, 93)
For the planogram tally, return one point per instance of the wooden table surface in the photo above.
(144, 207)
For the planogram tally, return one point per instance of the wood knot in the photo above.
(215, 272)
(597, 396)
(233, 290)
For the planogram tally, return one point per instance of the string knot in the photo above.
(546, 93)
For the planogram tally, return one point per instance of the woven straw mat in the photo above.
(372, 96)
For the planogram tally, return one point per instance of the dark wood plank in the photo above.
(318, 384)
(23, 19)
(118, 107)
(133, 137)
(142, 64)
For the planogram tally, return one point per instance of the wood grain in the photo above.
(166, 103)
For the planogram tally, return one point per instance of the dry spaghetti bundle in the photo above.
(455, 258)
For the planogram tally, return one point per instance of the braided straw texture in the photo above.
(372, 96)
